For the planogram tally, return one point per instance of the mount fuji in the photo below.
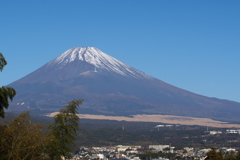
(110, 87)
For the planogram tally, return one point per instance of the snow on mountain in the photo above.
(99, 60)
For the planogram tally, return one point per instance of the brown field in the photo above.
(169, 119)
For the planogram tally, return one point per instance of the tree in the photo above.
(63, 131)
(232, 156)
(213, 154)
(238, 156)
(22, 139)
(3, 62)
(6, 93)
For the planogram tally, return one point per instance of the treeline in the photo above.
(215, 154)
(23, 139)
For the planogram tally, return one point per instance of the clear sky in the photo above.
(191, 44)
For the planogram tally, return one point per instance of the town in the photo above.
(206, 141)
(160, 152)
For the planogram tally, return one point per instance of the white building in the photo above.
(121, 148)
(157, 126)
(215, 132)
(159, 147)
(235, 131)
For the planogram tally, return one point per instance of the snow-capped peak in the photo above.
(99, 60)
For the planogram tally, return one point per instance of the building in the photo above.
(158, 147)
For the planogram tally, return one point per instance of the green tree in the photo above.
(63, 131)
(238, 156)
(6, 93)
(213, 154)
(22, 139)
(232, 156)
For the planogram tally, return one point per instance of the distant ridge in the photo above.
(110, 87)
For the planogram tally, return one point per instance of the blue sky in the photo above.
(194, 45)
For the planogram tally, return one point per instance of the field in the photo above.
(168, 119)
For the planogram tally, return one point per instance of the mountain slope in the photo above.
(110, 87)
